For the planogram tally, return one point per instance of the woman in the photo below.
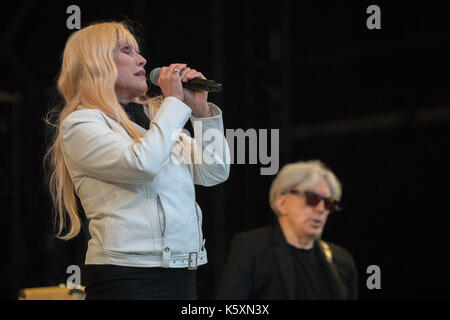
(126, 158)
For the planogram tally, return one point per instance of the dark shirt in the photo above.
(135, 112)
(310, 275)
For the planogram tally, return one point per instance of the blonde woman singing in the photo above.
(133, 168)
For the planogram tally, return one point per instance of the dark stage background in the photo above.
(374, 105)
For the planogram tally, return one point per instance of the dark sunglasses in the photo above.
(313, 199)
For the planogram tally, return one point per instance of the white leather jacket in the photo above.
(140, 197)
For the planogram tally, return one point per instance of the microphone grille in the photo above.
(154, 75)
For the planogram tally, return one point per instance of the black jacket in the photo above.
(260, 266)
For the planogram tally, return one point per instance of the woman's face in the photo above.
(131, 79)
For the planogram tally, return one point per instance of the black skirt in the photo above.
(110, 282)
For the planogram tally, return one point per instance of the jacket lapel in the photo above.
(284, 260)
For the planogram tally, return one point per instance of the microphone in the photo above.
(194, 84)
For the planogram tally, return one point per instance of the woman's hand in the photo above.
(170, 81)
(196, 100)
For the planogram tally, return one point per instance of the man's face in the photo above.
(305, 220)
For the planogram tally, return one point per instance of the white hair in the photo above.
(303, 175)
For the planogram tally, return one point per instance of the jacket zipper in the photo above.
(199, 230)
(159, 205)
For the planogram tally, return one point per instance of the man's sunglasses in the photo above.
(313, 199)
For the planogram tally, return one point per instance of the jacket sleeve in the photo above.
(353, 280)
(91, 146)
(236, 280)
(347, 270)
(211, 154)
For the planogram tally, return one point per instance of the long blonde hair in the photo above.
(87, 78)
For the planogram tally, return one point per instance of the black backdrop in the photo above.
(374, 105)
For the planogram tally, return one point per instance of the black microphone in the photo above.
(194, 84)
